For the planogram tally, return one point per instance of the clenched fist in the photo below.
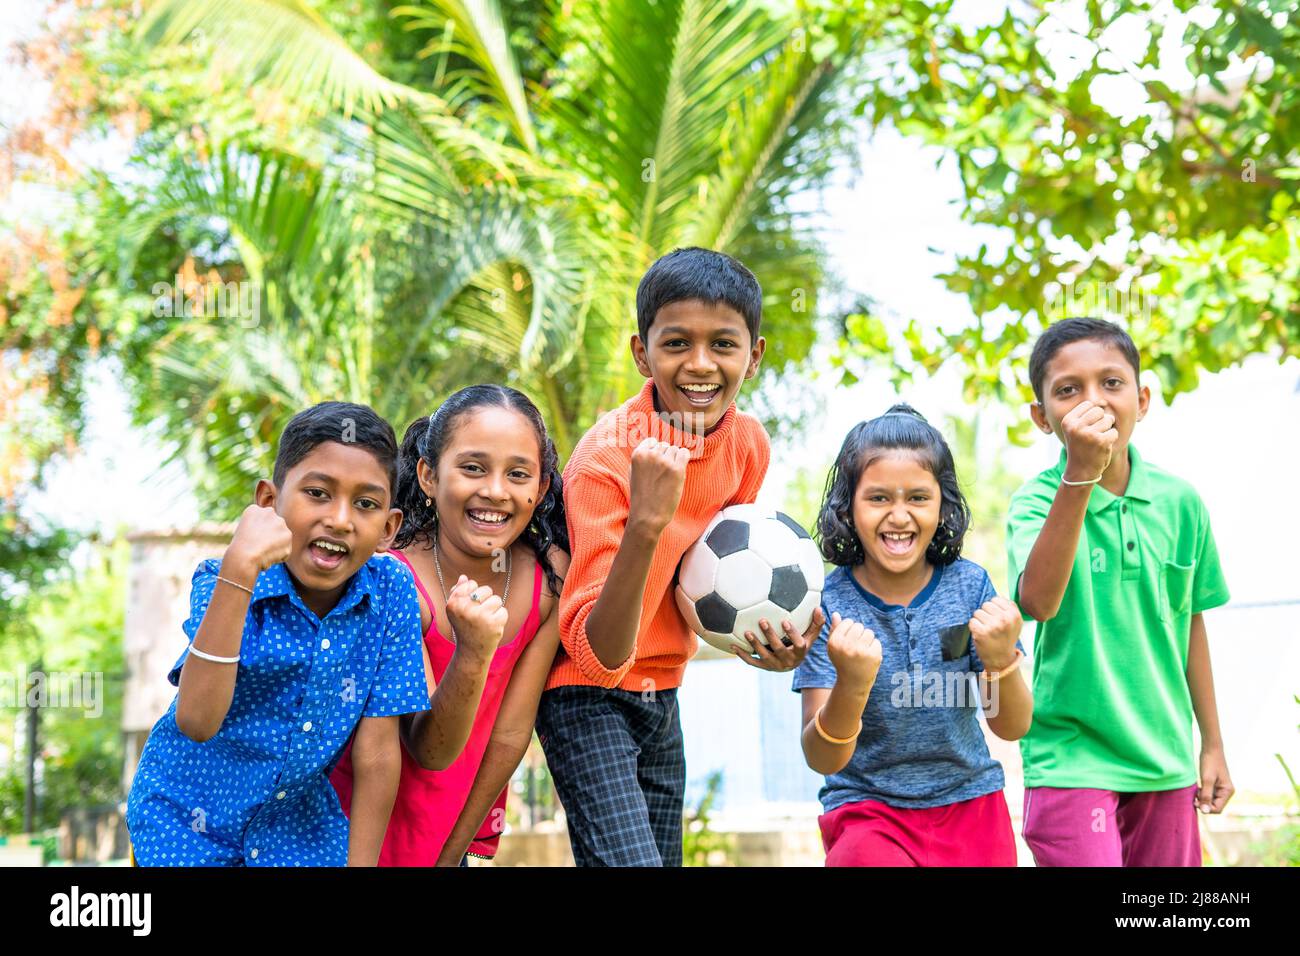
(1090, 438)
(477, 625)
(994, 630)
(655, 484)
(854, 650)
(262, 539)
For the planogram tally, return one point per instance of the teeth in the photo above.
(331, 546)
(898, 536)
(494, 516)
(701, 388)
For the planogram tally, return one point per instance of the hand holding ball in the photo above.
(750, 564)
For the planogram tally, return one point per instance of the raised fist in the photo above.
(478, 625)
(657, 476)
(994, 630)
(1090, 438)
(261, 540)
(854, 650)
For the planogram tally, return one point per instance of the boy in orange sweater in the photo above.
(639, 490)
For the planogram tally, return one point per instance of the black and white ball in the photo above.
(751, 563)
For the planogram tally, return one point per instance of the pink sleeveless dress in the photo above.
(430, 801)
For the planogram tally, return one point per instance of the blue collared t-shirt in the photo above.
(258, 792)
(921, 743)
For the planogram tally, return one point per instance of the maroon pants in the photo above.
(1079, 826)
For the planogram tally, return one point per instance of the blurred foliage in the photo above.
(352, 199)
(76, 629)
(702, 846)
(1283, 848)
(1175, 217)
(987, 485)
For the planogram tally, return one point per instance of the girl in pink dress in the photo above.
(479, 487)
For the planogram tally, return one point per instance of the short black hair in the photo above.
(342, 422)
(1062, 333)
(703, 274)
(900, 428)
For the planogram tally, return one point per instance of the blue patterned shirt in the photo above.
(258, 792)
(921, 744)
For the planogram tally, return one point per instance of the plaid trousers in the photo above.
(619, 768)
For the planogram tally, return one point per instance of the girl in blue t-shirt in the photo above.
(916, 644)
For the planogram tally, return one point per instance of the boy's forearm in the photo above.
(1200, 682)
(612, 624)
(376, 774)
(1047, 572)
(841, 717)
(438, 735)
(500, 761)
(206, 688)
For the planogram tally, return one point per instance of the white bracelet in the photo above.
(213, 657)
(1076, 484)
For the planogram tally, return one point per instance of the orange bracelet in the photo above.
(821, 731)
(998, 675)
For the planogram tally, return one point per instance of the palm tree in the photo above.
(485, 223)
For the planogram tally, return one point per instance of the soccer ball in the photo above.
(750, 563)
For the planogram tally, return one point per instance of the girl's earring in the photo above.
(428, 502)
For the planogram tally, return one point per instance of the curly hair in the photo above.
(902, 427)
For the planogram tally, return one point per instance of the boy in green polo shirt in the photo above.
(1115, 560)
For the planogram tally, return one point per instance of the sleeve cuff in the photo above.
(592, 668)
(413, 704)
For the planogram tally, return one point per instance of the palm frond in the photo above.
(478, 33)
(760, 123)
(282, 42)
(654, 86)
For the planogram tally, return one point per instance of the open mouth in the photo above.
(700, 396)
(486, 519)
(898, 542)
(328, 554)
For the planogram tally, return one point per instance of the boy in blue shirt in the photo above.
(299, 636)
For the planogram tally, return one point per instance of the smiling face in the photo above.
(896, 510)
(1091, 370)
(698, 356)
(337, 504)
(487, 482)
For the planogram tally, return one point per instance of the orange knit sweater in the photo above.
(727, 467)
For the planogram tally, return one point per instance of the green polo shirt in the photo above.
(1112, 709)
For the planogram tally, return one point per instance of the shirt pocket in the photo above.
(1176, 589)
(954, 642)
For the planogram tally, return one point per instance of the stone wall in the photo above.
(158, 602)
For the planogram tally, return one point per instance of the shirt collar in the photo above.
(1139, 483)
(276, 582)
(922, 596)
